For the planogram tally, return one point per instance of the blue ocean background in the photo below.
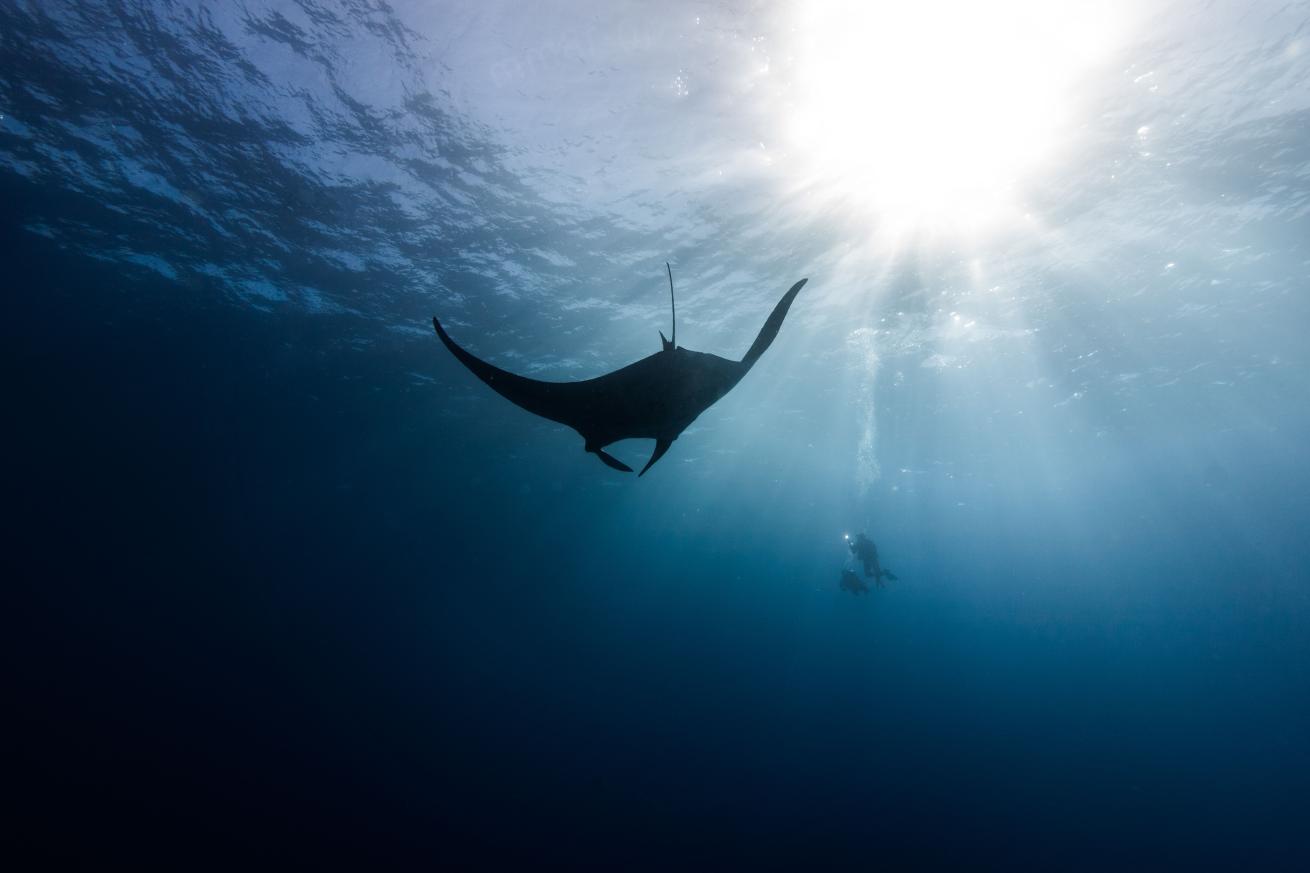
(288, 583)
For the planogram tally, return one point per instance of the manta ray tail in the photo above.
(772, 326)
(661, 446)
(671, 344)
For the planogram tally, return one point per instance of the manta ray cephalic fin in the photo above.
(611, 461)
(661, 446)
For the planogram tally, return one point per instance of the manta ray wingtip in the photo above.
(441, 333)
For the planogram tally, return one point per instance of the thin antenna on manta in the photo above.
(673, 305)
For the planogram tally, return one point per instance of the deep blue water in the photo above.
(287, 583)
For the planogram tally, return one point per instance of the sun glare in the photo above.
(929, 115)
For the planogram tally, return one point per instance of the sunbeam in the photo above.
(931, 116)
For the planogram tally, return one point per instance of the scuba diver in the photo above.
(852, 583)
(866, 552)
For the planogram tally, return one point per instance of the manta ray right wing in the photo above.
(771, 327)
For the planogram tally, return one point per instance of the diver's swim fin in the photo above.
(611, 461)
(661, 446)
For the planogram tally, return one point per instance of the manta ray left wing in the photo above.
(558, 401)
(569, 403)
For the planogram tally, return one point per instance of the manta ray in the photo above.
(655, 398)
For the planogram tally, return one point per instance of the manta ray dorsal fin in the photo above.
(666, 342)
(661, 446)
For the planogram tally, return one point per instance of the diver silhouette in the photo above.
(852, 583)
(867, 553)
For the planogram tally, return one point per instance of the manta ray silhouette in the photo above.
(655, 398)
